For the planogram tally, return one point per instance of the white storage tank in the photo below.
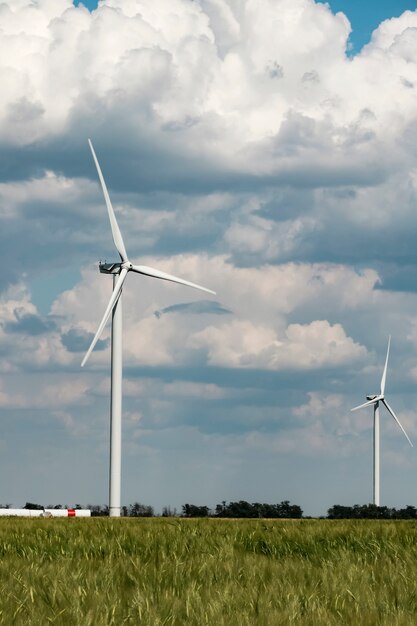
(45, 513)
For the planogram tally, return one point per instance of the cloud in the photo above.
(319, 404)
(258, 332)
(30, 324)
(78, 340)
(197, 74)
(50, 392)
(28, 341)
(197, 308)
(266, 239)
(242, 344)
(315, 152)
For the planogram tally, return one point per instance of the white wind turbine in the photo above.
(114, 307)
(374, 401)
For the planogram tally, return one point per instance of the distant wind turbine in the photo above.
(114, 307)
(374, 401)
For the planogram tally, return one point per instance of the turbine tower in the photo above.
(119, 272)
(374, 401)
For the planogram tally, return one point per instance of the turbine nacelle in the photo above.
(110, 268)
(374, 397)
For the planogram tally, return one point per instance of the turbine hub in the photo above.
(110, 268)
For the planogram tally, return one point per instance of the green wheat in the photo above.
(175, 572)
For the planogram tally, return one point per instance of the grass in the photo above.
(195, 572)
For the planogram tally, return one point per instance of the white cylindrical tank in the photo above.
(20, 513)
(45, 513)
(67, 513)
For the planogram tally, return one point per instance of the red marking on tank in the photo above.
(71, 513)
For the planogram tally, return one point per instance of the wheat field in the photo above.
(220, 572)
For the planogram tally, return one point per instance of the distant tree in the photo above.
(338, 511)
(98, 510)
(370, 511)
(33, 506)
(191, 510)
(243, 509)
(140, 510)
(168, 512)
(220, 509)
(410, 512)
(292, 511)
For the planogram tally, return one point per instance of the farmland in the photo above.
(224, 572)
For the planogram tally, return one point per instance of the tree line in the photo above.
(244, 509)
(370, 511)
(241, 509)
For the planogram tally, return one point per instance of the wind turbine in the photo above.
(114, 308)
(374, 401)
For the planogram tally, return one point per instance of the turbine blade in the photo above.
(150, 271)
(387, 406)
(369, 403)
(384, 374)
(114, 297)
(117, 236)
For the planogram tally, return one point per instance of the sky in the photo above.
(259, 148)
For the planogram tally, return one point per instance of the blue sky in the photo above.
(366, 16)
(278, 171)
